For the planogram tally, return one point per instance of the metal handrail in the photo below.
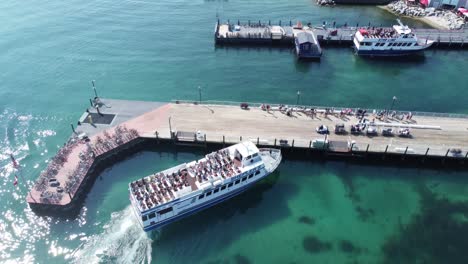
(276, 105)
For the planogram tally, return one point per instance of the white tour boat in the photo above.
(396, 41)
(170, 195)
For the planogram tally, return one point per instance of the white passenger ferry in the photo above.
(396, 41)
(170, 195)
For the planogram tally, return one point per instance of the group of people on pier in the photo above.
(75, 177)
(217, 164)
(56, 164)
(47, 178)
(108, 142)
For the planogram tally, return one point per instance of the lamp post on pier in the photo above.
(170, 127)
(199, 93)
(94, 88)
(298, 96)
(393, 102)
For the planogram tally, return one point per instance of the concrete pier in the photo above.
(259, 33)
(121, 125)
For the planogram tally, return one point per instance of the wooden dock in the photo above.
(127, 123)
(259, 33)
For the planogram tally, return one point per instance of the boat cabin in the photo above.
(246, 154)
(305, 41)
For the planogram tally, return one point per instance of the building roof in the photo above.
(305, 37)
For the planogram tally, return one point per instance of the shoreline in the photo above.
(425, 19)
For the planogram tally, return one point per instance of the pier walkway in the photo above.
(435, 135)
(259, 33)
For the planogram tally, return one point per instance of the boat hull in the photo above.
(389, 53)
(202, 207)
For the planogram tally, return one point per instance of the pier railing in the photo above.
(275, 106)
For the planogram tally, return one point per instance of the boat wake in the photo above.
(122, 241)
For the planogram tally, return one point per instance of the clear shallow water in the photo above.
(152, 50)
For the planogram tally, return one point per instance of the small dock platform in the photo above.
(123, 124)
(261, 33)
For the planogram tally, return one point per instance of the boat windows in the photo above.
(237, 182)
(224, 187)
(257, 173)
(144, 218)
(216, 190)
(230, 185)
(245, 178)
(152, 215)
(208, 193)
(201, 196)
(250, 176)
(164, 211)
(399, 44)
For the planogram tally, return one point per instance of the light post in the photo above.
(199, 93)
(298, 96)
(393, 102)
(170, 127)
(94, 88)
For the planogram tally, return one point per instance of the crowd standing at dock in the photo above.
(51, 189)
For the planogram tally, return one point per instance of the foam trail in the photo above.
(122, 241)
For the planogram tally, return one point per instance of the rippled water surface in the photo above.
(306, 212)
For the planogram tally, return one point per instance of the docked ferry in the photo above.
(170, 195)
(396, 41)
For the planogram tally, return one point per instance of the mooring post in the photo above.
(352, 145)
(223, 141)
(406, 150)
(290, 23)
(238, 22)
(367, 149)
(258, 140)
(427, 151)
(240, 138)
(249, 23)
(280, 22)
(386, 148)
(292, 145)
(310, 143)
(269, 22)
(275, 143)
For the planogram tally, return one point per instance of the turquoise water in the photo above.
(151, 50)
